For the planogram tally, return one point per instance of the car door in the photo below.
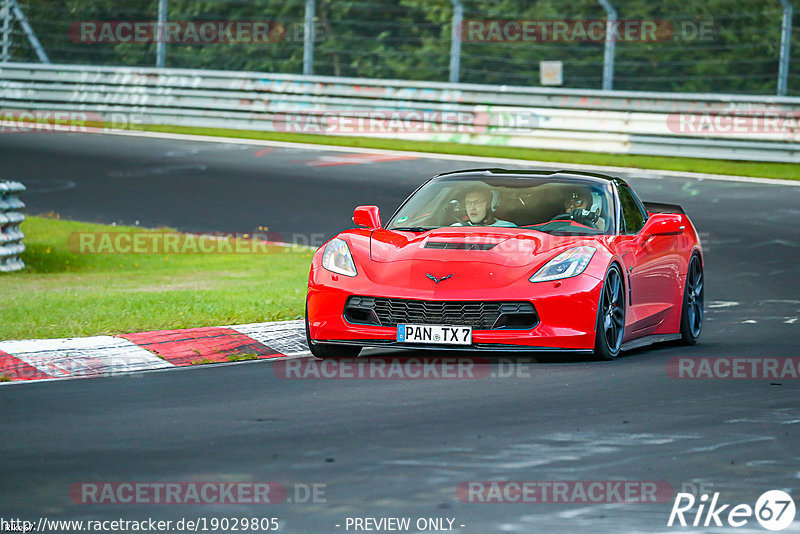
(647, 261)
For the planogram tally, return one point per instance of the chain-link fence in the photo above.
(714, 46)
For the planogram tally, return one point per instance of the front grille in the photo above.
(479, 315)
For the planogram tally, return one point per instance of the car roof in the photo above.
(526, 173)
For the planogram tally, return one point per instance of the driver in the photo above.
(577, 206)
(578, 200)
(478, 204)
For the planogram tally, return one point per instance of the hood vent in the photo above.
(459, 246)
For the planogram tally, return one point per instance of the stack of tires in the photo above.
(11, 236)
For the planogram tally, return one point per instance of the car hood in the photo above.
(477, 257)
(509, 247)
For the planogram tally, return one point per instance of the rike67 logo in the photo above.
(774, 510)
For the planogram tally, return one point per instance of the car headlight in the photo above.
(569, 263)
(338, 259)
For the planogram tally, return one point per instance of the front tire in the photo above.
(610, 327)
(693, 299)
(326, 351)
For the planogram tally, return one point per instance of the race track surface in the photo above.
(389, 448)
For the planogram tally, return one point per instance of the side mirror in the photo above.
(367, 216)
(660, 224)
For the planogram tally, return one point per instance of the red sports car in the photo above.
(509, 260)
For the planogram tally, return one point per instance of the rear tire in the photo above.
(610, 327)
(327, 351)
(693, 299)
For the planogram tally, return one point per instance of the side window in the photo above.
(633, 212)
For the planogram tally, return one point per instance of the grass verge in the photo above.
(62, 293)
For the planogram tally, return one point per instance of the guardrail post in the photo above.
(161, 39)
(455, 40)
(308, 38)
(5, 12)
(23, 21)
(608, 55)
(10, 235)
(786, 42)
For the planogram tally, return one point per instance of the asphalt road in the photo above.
(389, 448)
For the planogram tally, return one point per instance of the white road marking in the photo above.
(781, 242)
(722, 304)
(355, 159)
(724, 444)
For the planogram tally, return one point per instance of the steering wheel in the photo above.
(580, 216)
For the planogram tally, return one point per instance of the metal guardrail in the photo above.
(539, 118)
(10, 234)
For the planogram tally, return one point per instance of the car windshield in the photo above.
(556, 206)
